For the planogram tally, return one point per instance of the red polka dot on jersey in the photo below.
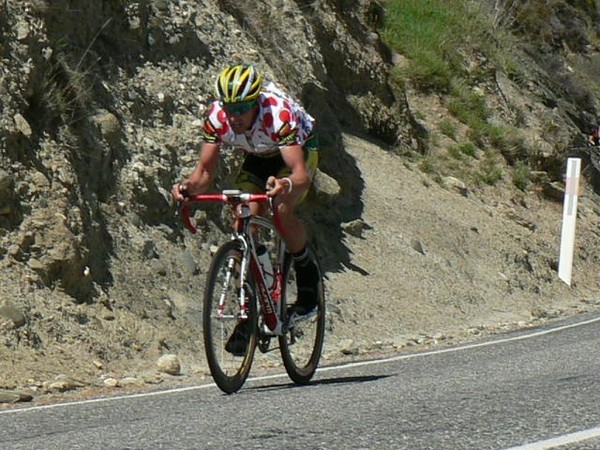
(222, 116)
(223, 130)
(269, 101)
(285, 116)
(268, 120)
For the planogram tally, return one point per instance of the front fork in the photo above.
(240, 286)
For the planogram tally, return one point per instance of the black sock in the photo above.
(307, 278)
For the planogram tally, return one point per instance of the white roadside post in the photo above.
(567, 242)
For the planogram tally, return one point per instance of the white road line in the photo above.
(566, 439)
(465, 347)
(320, 370)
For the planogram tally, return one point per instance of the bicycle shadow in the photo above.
(320, 382)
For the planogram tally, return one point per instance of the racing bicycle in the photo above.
(248, 302)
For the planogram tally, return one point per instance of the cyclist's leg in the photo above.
(247, 181)
(252, 178)
(253, 175)
(297, 239)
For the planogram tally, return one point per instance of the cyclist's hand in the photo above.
(180, 191)
(276, 186)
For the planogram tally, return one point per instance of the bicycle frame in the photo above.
(269, 299)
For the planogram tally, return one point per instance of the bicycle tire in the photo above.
(228, 370)
(302, 344)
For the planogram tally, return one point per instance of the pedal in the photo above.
(295, 319)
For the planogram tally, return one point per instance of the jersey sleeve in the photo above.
(209, 133)
(287, 135)
(215, 124)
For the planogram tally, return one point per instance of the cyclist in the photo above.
(277, 135)
(594, 138)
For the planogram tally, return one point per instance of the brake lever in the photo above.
(270, 187)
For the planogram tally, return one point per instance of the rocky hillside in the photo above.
(101, 105)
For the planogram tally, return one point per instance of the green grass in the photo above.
(490, 171)
(466, 105)
(448, 128)
(460, 151)
(423, 30)
(435, 36)
(521, 175)
(431, 33)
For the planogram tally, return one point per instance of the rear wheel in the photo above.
(229, 340)
(302, 343)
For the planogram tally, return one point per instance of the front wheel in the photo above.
(302, 343)
(229, 340)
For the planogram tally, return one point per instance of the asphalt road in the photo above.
(528, 391)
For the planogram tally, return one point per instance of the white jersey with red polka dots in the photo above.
(281, 121)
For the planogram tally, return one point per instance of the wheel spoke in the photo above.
(301, 345)
(228, 367)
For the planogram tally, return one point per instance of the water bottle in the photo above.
(265, 262)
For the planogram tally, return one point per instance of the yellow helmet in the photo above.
(239, 83)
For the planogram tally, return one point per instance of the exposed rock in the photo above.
(63, 383)
(169, 364)
(325, 186)
(7, 396)
(10, 312)
(354, 227)
(22, 125)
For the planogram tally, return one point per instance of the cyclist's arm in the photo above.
(203, 175)
(293, 156)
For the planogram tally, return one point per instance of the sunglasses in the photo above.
(237, 109)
